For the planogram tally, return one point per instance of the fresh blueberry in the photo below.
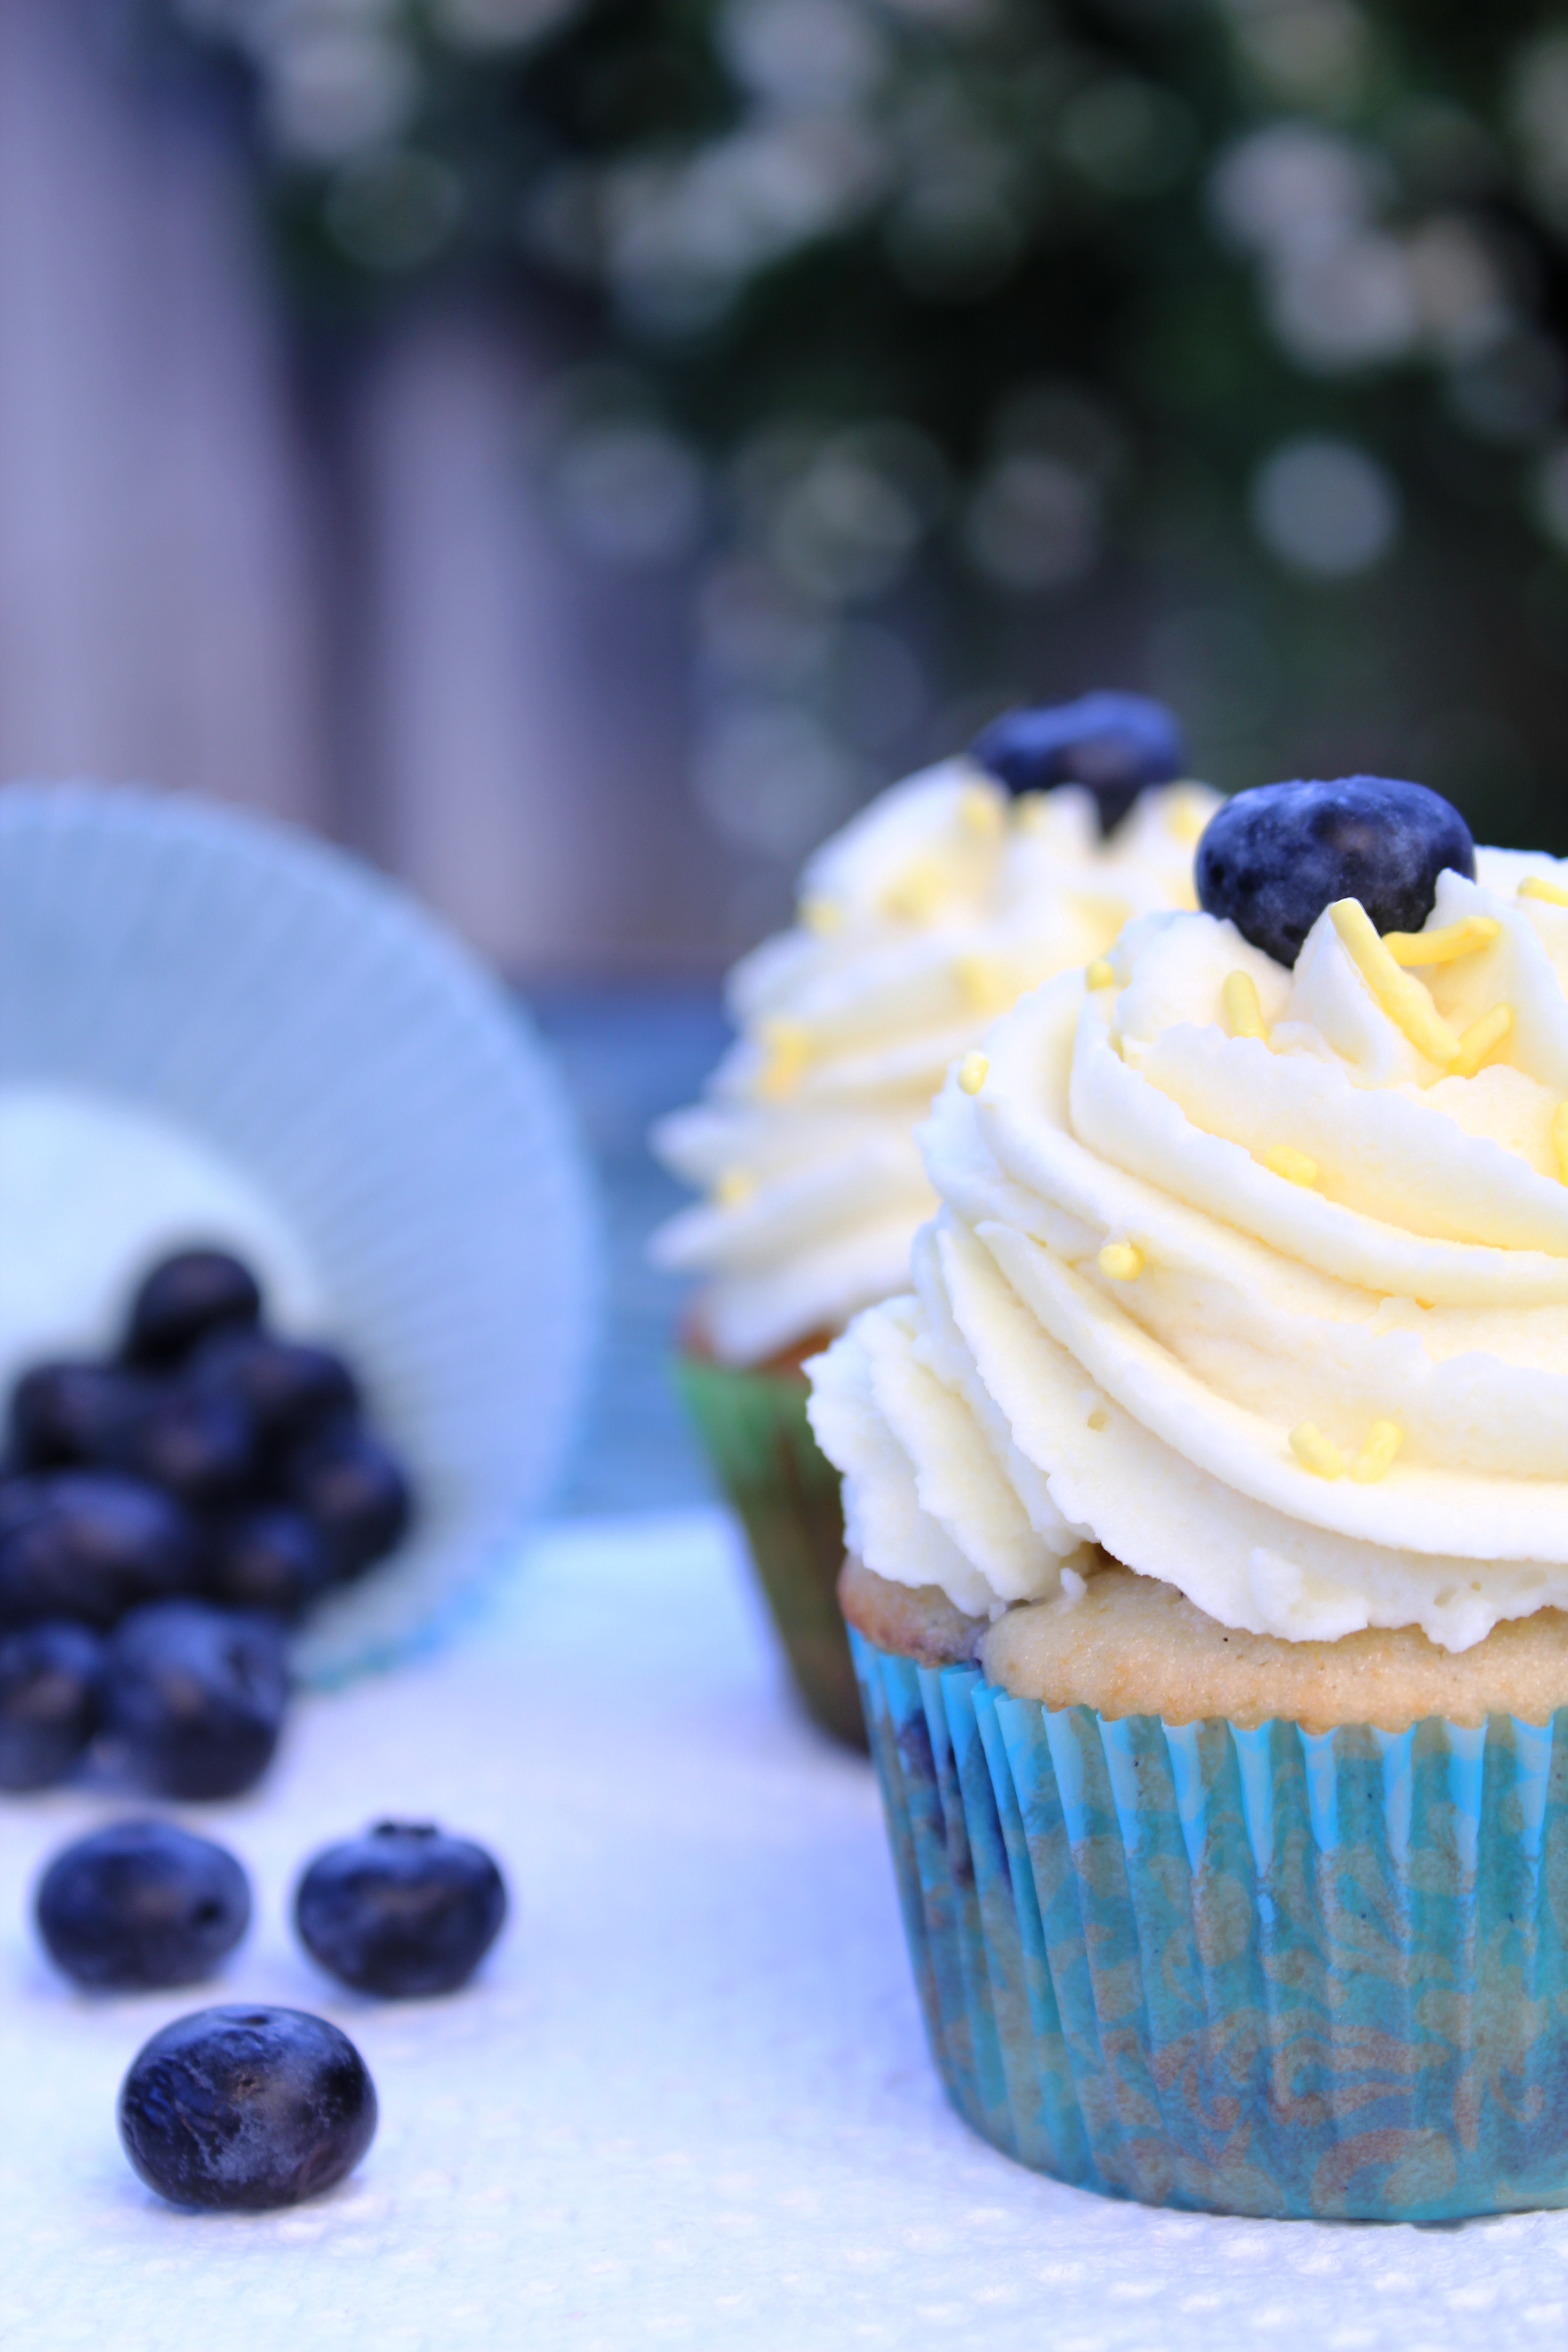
(198, 1443)
(91, 1544)
(142, 1904)
(241, 2109)
(196, 1697)
(1114, 744)
(403, 1911)
(183, 1298)
(288, 1387)
(70, 1413)
(1274, 857)
(355, 1491)
(270, 1558)
(51, 1679)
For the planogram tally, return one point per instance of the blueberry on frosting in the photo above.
(1112, 744)
(1274, 857)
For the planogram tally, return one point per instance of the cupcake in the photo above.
(934, 910)
(1207, 1512)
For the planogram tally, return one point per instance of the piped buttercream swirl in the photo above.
(932, 911)
(1279, 1318)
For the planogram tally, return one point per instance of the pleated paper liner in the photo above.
(1241, 1971)
(307, 1028)
(786, 1495)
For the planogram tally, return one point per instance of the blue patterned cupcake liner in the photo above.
(1264, 1971)
(419, 1195)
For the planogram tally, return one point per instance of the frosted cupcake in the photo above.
(946, 899)
(1208, 1505)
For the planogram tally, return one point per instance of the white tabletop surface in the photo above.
(688, 2104)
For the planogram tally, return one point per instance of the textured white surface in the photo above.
(688, 2103)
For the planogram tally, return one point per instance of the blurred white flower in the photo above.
(807, 54)
(1459, 295)
(499, 24)
(630, 491)
(333, 90)
(1538, 112)
(1033, 523)
(773, 778)
(1292, 191)
(1313, 52)
(1552, 494)
(1127, 135)
(844, 528)
(1325, 508)
(1350, 306)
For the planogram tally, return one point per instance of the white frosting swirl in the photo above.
(934, 910)
(1214, 1401)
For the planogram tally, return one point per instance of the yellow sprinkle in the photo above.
(1314, 1451)
(1123, 1261)
(980, 810)
(788, 1046)
(1446, 946)
(1384, 1441)
(973, 1073)
(1294, 1166)
(981, 984)
(1186, 814)
(1101, 973)
(1098, 1418)
(1560, 1140)
(1535, 886)
(1480, 1039)
(734, 1188)
(823, 916)
(1404, 1000)
(1243, 1012)
(918, 891)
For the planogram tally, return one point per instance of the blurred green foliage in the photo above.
(966, 349)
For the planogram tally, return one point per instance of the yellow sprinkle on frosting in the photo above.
(1186, 814)
(1481, 1038)
(981, 984)
(973, 1073)
(787, 1044)
(1316, 1453)
(823, 916)
(1294, 1166)
(1101, 973)
(918, 892)
(1446, 946)
(980, 811)
(1122, 1261)
(734, 1188)
(1243, 1012)
(1406, 1002)
(1536, 886)
(1560, 1140)
(1383, 1441)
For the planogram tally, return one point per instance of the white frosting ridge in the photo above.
(937, 907)
(1398, 1280)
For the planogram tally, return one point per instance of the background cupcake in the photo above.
(936, 908)
(1231, 1883)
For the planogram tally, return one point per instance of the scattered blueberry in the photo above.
(91, 1544)
(70, 1413)
(1274, 857)
(183, 1298)
(1115, 744)
(142, 1904)
(198, 1443)
(270, 1558)
(242, 2109)
(195, 1697)
(355, 1490)
(403, 1911)
(51, 1679)
(287, 1386)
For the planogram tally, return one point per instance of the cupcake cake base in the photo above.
(1233, 1962)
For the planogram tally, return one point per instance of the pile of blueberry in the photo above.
(244, 2108)
(163, 1518)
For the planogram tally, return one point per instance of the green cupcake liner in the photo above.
(786, 1495)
